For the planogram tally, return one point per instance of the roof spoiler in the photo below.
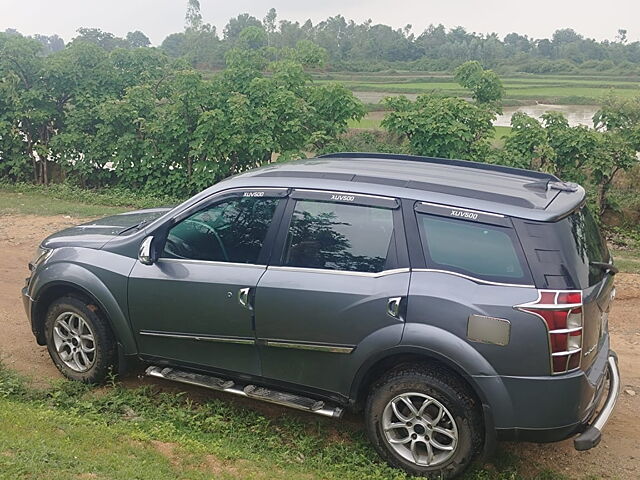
(552, 185)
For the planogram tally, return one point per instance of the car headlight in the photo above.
(41, 255)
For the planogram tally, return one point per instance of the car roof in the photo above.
(460, 183)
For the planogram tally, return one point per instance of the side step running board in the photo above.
(251, 391)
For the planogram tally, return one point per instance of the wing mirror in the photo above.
(145, 253)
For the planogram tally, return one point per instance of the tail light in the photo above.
(561, 311)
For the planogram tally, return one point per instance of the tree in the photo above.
(107, 41)
(621, 115)
(269, 22)
(441, 127)
(137, 39)
(614, 154)
(236, 25)
(527, 145)
(545, 47)
(193, 17)
(174, 44)
(252, 38)
(51, 43)
(308, 54)
(574, 147)
(134, 118)
(565, 36)
(580, 154)
(486, 87)
(619, 121)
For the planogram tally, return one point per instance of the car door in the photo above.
(335, 290)
(193, 305)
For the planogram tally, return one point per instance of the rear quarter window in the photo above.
(487, 252)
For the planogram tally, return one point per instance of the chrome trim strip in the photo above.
(366, 195)
(309, 346)
(544, 306)
(210, 262)
(439, 205)
(565, 353)
(473, 279)
(201, 338)
(566, 330)
(339, 272)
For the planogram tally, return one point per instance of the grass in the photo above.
(561, 89)
(627, 259)
(367, 123)
(501, 133)
(34, 203)
(28, 199)
(627, 264)
(625, 248)
(372, 120)
(73, 431)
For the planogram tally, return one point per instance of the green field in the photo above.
(556, 89)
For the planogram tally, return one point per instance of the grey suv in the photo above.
(456, 303)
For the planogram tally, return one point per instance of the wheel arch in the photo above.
(97, 294)
(377, 366)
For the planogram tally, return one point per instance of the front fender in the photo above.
(101, 275)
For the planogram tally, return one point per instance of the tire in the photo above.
(80, 342)
(434, 392)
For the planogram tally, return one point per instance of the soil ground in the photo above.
(618, 456)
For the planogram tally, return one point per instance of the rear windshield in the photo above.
(587, 246)
(487, 252)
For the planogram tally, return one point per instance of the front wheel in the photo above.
(425, 421)
(79, 341)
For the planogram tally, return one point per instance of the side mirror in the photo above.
(144, 255)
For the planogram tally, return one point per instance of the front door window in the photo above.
(232, 230)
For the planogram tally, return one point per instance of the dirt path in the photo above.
(618, 456)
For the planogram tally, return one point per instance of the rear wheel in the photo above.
(425, 421)
(79, 341)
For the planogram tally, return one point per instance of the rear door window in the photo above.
(338, 236)
(483, 251)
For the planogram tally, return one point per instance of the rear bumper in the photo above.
(554, 408)
(593, 432)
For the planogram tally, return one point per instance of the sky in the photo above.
(158, 18)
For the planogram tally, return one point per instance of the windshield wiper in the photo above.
(607, 266)
(137, 226)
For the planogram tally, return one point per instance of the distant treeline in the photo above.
(366, 46)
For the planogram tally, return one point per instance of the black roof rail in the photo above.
(445, 161)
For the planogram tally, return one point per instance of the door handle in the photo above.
(243, 297)
(393, 307)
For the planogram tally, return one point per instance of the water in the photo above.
(576, 114)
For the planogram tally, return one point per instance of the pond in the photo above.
(576, 114)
